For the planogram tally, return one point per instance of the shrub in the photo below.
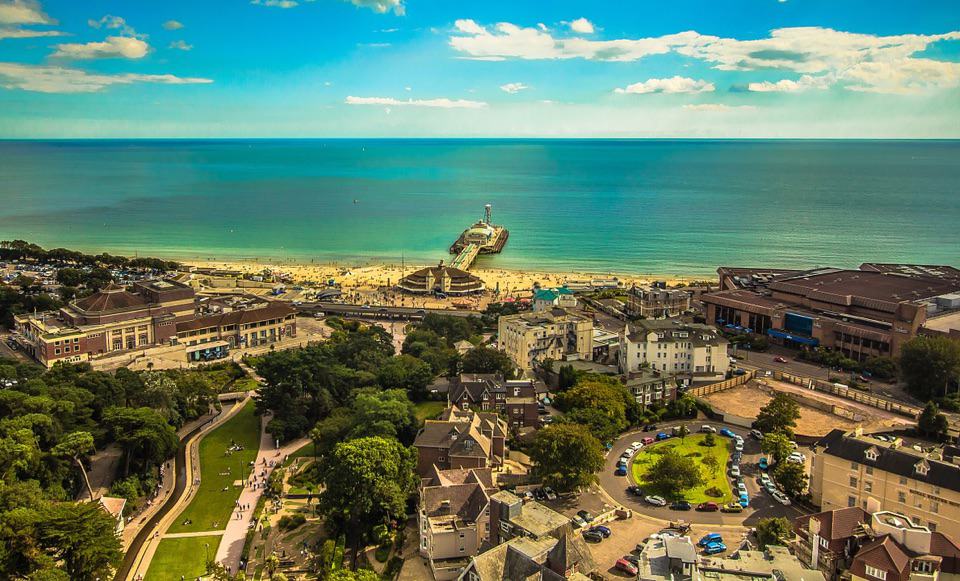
(713, 492)
(290, 522)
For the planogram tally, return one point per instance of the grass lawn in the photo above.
(212, 506)
(182, 557)
(689, 446)
(428, 410)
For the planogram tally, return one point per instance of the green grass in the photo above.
(689, 446)
(212, 504)
(182, 556)
(428, 410)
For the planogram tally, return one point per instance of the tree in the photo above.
(75, 446)
(82, 536)
(773, 531)
(683, 431)
(599, 404)
(408, 373)
(566, 456)
(932, 423)
(791, 476)
(777, 445)
(487, 360)
(348, 575)
(366, 482)
(144, 434)
(672, 474)
(709, 440)
(929, 364)
(384, 413)
(711, 462)
(779, 415)
(882, 367)
(567, 377)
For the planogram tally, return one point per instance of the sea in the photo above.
(681, 207)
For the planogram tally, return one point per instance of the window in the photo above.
(922, 469)
(869, 470)
(934, 506)
(902, 497)
(823, 542)
(903, 481)
(851, 501)
(853, 481)
(876, 573)
(923, 566)
(854, 466)
(867, 486)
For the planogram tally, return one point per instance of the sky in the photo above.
(442, 68)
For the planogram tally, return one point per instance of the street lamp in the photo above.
(206, 553)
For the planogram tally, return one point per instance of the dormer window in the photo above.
(872, 454)
(922, 468)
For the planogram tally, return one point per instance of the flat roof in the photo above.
(880, 286)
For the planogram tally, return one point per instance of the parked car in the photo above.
(726, 432)
(738, 371)
(741, 488)
(621, 471)
(549, 493)
(708, 507)
(779, 359)
(710, 538)
(796, 457)
(656, 500)
(781, 498)
(708, 428)
(735, 471)
(621, 462)
(732, 507)
(585, 515)
(744, 500)
(628, 453)
(680, 505)
(636, 445)
(627, 567)
(650, 428)
(771, 487)
(578, 522)
(714, 548)
(648, 440)
(605, 531)
(592, 537)
(634, 490)
(663, 436)
(632, 558)
(763, 463)
(764, 479)
(738, 447)
(756, 434)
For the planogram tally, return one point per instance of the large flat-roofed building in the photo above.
(853, 470)
(861, 313)
(693, 352)
(210, 336)
(110, 320)
(530, 338)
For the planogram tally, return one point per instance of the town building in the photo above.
(549, 298)
(690, 352)
(454, 518)
(850, 469)
(657, 303)
(511, 517)
(774, 563)
(532, 338)
(862, 313)
(111, 320)
(441, 280)
(114, 506)
(461, 439)
(210, 337)
(515, 400)
(651, 388)
(669, 559)
(850, 543)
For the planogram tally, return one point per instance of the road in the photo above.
(371, 312)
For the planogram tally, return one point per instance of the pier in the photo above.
(483, 237)
(465, 259)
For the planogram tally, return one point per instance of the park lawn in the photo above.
(182, 558)
(689, 446)
(212, 506)
(428, 410)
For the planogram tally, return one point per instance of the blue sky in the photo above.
(342, 68)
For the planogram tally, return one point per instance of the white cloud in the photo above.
(173, 25)
(23, 12)
(381, 6)
(442, 103)
(671, 85)
(51, 79)
(861, 62)
(181, 45)
(582, 26)
(718, 107)
(112, 47)
(113, 23)
(27, 33)
(790, 86)
(276, 3)
(513, 88)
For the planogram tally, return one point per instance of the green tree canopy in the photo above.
(487, 360)
(566, 456)
(779, 415)
(932, 423)
(774, 531)
(791, 477)
(672, 474)
(929, 364)
(777, 445)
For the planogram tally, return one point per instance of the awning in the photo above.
(794, 338)
(210, 345)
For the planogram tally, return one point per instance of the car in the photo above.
(705, 428)
(636, 445)
(650, 428)
(797, 457)
(605, 531)
(663, 436)
(621, 471)
(739, 371)
(708, 507)
(592, 537)
(735, 471)
(647, 441)
(764, 479)
(763, 463)
(779, 359)
(585, 515)
(538, 494)
(710, 538)
(756, 434)
(549, 493)
(744, 501)
(547, 420)
(732, 507)
(634, 490)
(726, 432)
(680, 505)
(627, 567)
(628, 453)
(771, 487)
(794, 445)
(621, 463)
(738, 447)
(655, 500)
(632, 558)
(781, 498)
(714, 548)
(578, 522)
(741, 488)
(527, 495)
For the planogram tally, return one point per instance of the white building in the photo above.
(689, 351)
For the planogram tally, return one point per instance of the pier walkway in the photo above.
(465, 259)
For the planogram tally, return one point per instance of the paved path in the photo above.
(193, 534)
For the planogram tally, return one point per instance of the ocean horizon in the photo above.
(659, 206)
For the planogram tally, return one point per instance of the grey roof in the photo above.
(681, 548)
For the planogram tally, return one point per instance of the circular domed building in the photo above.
(441, 279)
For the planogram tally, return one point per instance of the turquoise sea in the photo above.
(637, 206)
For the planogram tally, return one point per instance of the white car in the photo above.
(738, 447)
(781, 498)
(765, 479)
(742, 488)
(735, 471)
(797, 457)
(628, 453)
(656, 500)
(636, 445)
(705, 428)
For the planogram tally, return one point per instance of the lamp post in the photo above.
(206, 553)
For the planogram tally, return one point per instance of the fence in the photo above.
(838, 390)
(703, 390)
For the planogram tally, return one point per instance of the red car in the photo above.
(627, 566)
(708, 507)
(779, 359)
